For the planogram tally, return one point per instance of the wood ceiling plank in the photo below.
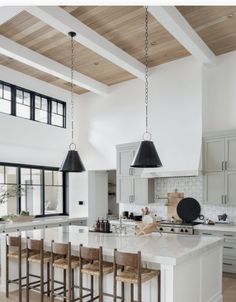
(214, 24)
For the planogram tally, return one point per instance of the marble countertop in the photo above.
(39, 222)
(216, 227)
(161, 249)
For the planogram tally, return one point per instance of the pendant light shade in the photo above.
(146, 156)
(72, 162)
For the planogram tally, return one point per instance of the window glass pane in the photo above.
(57, 120)
(25, 176)
(7, 92)
(23, 111)
(44, 104)
(48, 178)
(1, 91)
(32, 199)
(37, 102)
(1, 174)
(53, 200)
(11, 173)
(19, 96)
(5, 106)
(60, 108)
(54, 107)
(9, 195)
(36, 176)
(41, 116)
(27, 98)
(57, 178)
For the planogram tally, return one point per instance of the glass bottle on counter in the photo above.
(98, 225)
(102, 225)
(107, 226)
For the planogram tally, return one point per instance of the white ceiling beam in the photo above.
(8, 12)
(27, 56)
(64, 22)
(170, 18)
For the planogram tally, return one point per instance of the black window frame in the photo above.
(33, 94)
(43, 168)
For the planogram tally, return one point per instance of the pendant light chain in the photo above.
(146, 70)
(72, 89)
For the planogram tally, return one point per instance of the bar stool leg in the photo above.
(114, 287)
(122, 292)
(69, 284)
(91, 286)
(27, 280)
(73, 285)
(100, 288)
(7, 274)
(20, 280)
(48, 279)
(52, 283)
(139, 292)
(80, 285)
(64, 285)
(131, 292)
(159, 287)
(42, 280)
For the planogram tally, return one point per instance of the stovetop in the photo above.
(180, 223)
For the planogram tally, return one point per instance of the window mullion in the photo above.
(18, 183)
(43, 193)
(13, 100)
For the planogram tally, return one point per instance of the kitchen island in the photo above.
(191, 266)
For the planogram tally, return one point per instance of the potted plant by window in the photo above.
(13, 191)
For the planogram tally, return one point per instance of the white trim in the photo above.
(8, 12)
(27, 56)
(180, 29)
(64, 22)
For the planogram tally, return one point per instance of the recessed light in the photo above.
(96, 63)
(153, 43)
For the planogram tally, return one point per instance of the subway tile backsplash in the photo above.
(191, 187)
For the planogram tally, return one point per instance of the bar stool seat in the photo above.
(15, 254)
(93, 268)
(129, 275)
(63, 262)
(36, 258)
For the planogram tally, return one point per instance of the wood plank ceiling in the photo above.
(123, 26)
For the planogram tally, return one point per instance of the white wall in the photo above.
(175, 117)
(220, 90)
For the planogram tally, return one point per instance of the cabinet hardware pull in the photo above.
(222, 199)
(225, 199)
(228, 235)
(222, 165)
(206, 234)
(229, 264)
(226, 165)
(131, 171)
(228, 247)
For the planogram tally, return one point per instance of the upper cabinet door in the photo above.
(125, 159)
(214, 155)
(215, 188)
(230, 158)
(230, 198)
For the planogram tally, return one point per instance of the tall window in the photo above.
(37, 190)
(24, 103)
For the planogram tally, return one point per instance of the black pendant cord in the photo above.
(72, 34)
(147, 133)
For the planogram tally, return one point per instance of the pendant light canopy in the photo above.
(72, 162)
(146, 156)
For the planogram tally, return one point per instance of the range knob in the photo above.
(181, 230)
(161, 229)
(172, 230)
(186, 231)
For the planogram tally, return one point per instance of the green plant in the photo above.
(7, 192)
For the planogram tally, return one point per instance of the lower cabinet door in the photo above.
(229, 265)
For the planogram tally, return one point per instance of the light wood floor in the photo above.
(229, 290)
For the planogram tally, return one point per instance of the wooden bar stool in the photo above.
(61, 258)
(35, 254)
(14, 252)
(91, 263)
(131, 272)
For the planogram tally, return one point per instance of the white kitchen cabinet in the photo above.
(215, 187)
(229, 248)
(214, 155)
(131, 188)
(220, 168)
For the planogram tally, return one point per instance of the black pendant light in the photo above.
(72, 162)
(146, 156)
